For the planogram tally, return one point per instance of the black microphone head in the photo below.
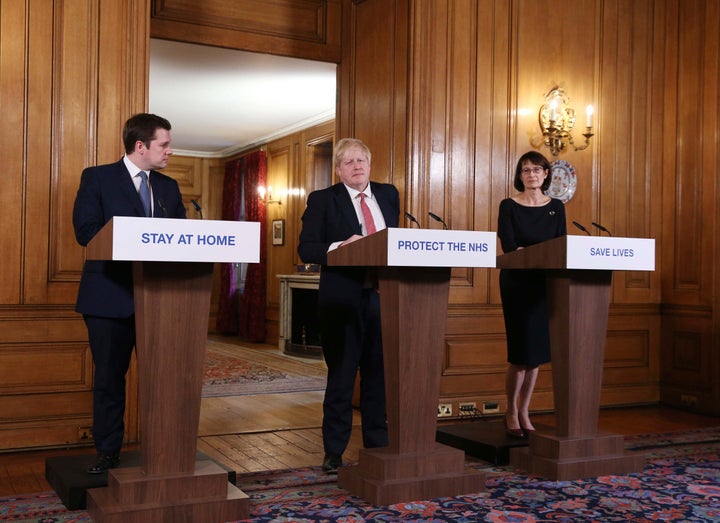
(410, 217)
(436, 217)
(603, 229)
(196, 205)
(576, 224)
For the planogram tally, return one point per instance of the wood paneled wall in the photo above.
(472, 76)
(446, 95)
(70, 74)
(293, 170)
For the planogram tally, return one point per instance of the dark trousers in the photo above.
(111, 342)
(352, 340)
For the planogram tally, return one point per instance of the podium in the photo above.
(172, 269)
(413, 268)
(579, 274)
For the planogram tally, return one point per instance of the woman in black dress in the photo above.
(526, 219)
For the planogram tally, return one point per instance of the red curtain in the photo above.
(244, 313)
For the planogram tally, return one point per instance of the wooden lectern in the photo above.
(414, 290)
(579, 274)
(172, 303)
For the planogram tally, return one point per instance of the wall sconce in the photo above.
(557, 120)
(265, 195)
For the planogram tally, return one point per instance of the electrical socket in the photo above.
(688, 400)
(467, 409)
(490, 407)
(84, 434)
(444, 410)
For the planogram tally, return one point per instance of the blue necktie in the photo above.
(145, 193)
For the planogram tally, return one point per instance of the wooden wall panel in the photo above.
(494, 120)
(373, 80)
(301, 29)
(629, 136)
(690, 254)
(282, 165)
(554, 45)
(74, 83)
(442, 101)
(14, 32)
(190, 173)
(25, 372)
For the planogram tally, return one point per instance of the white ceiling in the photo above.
(221, 101)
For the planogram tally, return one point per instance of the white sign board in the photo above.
(440, 248)
(171, 239)
(610, 253)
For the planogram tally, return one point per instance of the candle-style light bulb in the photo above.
(589, 112)
(553, 109)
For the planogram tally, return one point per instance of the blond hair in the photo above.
(348, 143)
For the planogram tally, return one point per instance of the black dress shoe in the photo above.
(331, 463)
(103, 463)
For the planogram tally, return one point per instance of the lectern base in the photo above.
(384, 478)
(565, 458)
(133, 497)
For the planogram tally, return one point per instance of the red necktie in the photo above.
(367, 216)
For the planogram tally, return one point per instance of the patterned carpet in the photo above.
(232, 370)
(681, 483)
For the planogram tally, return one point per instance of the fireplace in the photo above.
(299, 324)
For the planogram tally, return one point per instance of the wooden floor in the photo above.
(278, 431)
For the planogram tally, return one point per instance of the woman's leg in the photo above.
(514, 380)
(530, 375)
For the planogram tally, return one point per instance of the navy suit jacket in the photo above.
(330, 217)
(106, 287)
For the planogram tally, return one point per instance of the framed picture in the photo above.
(278, 232)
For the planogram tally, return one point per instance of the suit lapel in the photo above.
(346, 208)
(383, 203)
(127, 188)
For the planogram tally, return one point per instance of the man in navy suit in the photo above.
(105, 296)
(348, 303)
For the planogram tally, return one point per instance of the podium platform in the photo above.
(68, 477)
(483, 439)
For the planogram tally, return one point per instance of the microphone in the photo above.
(576, 224)
(601, 228)
(162, 207)
(437, 218)
(411, 218)
(197, 207)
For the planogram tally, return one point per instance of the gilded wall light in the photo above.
(265, 195)
(557, 120)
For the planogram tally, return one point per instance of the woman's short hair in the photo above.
(348, 143)
(534, 158)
